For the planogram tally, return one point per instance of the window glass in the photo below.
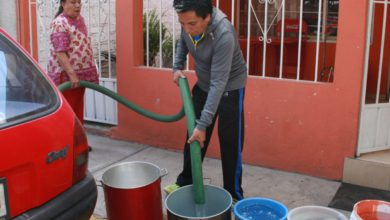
(283, 35)
(25, 93)
(329, 16)
(330, 9)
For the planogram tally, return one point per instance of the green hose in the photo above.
(125, 102)
(196, 161)
(188, 109)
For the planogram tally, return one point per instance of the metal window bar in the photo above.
(89, 27)
(51, 11)
(217, 4)
(89, 18)
(109, 39)
(257, 20)
(99, 40)
(160, 35)
(318, 40)
(282, 40)
(173, 37)
(41, 17)
(233, 10)
(367, 52)
(147, 33)
(384, 22)
(265, 37)
(324, 17)
(249, 35)
(101, 8)
(300, 40)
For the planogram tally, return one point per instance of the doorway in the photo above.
(374, 132)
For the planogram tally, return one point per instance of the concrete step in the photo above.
(98, 128)
(370, 170)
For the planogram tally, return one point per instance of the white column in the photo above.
(3, 77)
(8, 17)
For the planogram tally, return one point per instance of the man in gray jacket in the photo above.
(220, 67)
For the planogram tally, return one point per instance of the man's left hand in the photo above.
(197, 135)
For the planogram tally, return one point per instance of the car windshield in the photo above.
(25, 93)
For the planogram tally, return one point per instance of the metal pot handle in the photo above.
(163, 172)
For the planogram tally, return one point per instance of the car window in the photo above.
(25, 92)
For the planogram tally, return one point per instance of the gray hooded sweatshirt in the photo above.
(219, 63)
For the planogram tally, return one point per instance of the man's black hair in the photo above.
(202, 8)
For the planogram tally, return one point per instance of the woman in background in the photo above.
(71, 57)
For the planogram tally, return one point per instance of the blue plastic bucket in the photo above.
(260, 209)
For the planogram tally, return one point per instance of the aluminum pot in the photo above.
(180, 204)
(132, 191)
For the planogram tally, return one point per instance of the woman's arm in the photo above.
(65, 64)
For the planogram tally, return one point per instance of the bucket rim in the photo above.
(292, 211)
(372, 202)
(235, 211)
(130, 162)
(198, 218)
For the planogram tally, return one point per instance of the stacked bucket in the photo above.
(371, 210)
(268, 209)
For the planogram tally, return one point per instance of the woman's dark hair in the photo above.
(202, 8)
(60, 9)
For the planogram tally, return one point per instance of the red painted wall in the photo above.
(295, 126)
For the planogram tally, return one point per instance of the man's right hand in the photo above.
(176, 75)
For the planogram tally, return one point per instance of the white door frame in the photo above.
(374, 128)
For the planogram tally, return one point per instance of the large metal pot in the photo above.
(181, 206)
(132, 191)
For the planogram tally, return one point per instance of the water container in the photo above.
(371, 210)
(132, 191)
(315, 213)
(181, 205)
(260, 208)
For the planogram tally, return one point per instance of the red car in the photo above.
(43, 147)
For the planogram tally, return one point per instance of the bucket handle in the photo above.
(163, 172)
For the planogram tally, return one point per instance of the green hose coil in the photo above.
(188, 110)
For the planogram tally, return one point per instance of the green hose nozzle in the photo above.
(188, 109)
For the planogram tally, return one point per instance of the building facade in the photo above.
(318, 82)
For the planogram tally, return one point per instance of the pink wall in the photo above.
(295, 126)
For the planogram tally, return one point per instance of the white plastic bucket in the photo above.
(371, 210)
(315, 213)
